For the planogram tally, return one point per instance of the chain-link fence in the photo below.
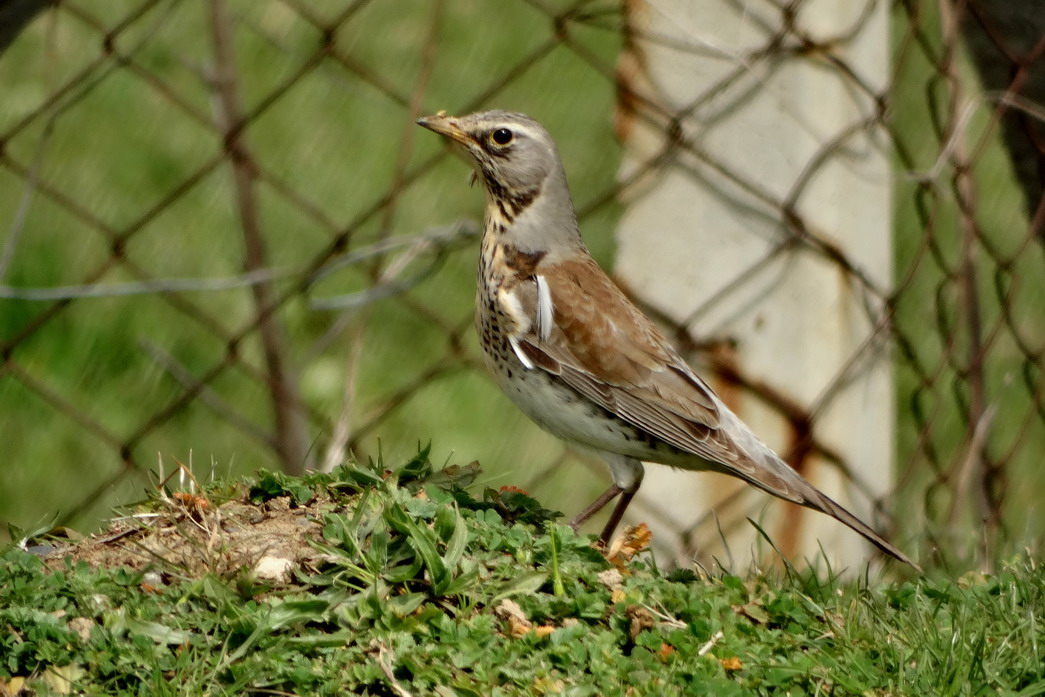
(227, 242)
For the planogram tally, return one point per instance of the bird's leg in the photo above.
(618, 513)
(596, 506)
(627, 476)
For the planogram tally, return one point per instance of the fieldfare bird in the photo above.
(571, 351)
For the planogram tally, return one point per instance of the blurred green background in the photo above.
(115, 151)
(112, 170)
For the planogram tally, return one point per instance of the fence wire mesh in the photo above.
(227, 241)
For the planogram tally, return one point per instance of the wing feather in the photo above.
(619, 361)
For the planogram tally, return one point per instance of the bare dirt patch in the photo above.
(189, 536)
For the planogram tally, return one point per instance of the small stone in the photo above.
(153, 578)
(611, 578)
(273, 569)
(81, 626)
(277, 504)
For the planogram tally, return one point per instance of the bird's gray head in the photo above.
(518, 164)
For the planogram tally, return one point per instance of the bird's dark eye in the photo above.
(502, 136)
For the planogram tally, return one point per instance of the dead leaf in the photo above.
(518, 628)
(665, 652)
(634, 539)
(641, 619)
(60, 679)
(753, 611)
(509, 611)
(195, 504)
(732, 663)
(13, 687)
(548, 686)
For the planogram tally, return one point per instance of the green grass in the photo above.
(418, 587)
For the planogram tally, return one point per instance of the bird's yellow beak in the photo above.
(446, 125)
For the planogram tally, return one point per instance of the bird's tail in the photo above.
(819, 501)
(776, 477)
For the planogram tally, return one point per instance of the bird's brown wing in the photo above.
(605, 348)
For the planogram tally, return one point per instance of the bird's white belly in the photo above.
(562, 412)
